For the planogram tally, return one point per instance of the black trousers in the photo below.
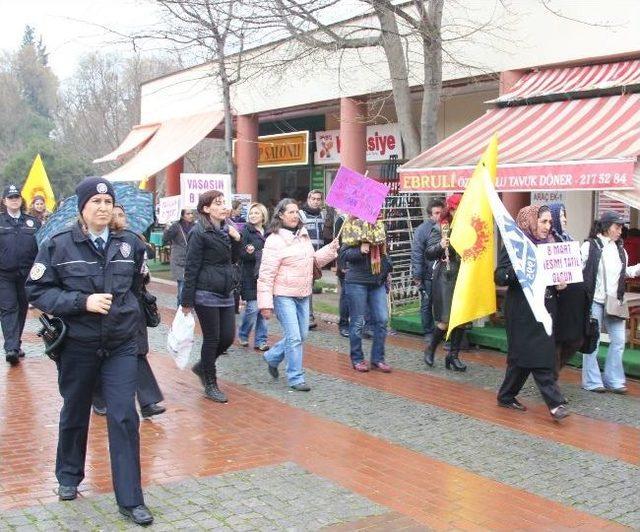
(13, 309)
(514, 380)
(218, 326)
(147, 391)
(78, 370)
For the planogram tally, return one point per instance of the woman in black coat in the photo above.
(573, 303)
(530, 349)
(253, 237)
(445, 274)
(209, 283)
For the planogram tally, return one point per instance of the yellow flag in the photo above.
(474, 295)
(37, 184)
(143, 184)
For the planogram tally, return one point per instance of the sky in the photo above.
(69, 28)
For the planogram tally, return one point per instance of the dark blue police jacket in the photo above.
(69, 268)
(18, 246)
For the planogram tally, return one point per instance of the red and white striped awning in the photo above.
(556, 81)
(586, 144)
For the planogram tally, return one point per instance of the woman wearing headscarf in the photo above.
(573, 306)
(445, 273)
(530, 349)
(367, 266)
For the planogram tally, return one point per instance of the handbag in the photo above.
(612, 305)
(591, 337)
(150, 308)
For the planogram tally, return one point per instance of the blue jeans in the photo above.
(293, 315)
(613, 371)
(426, 312)
(344, 308)
(363, 298)
(252, 315)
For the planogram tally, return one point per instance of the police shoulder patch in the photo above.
(125, 249)
(37, 271)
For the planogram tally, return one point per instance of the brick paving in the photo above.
(414, 450)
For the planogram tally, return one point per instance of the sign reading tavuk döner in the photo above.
(383, 141)
(584, 175)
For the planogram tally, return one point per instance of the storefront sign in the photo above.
(288, 149)
(561, 262)
(192, 185)
(574, 175)
(383, 141)
(545, 197)
(317, 179)
(169, 209)
(357, 195)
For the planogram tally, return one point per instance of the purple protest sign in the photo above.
(357, 195)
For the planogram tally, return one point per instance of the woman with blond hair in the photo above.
(253, 238)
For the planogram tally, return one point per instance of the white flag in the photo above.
(525, 259)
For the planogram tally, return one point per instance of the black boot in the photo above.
(452, 360)
(211, 390)
(430, 351)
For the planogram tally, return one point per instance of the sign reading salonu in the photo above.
(287, 149)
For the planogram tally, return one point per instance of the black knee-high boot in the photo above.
(452, 360)
(430, 351)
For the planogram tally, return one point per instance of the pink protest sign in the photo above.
(357, 195)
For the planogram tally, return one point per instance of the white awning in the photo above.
(137, 137)
(172, 140)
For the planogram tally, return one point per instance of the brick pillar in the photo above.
(247, 155)
(513, 201)
(172, 185)
(353, 135)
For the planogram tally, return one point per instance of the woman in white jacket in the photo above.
(606, 265)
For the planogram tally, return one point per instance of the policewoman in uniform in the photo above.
(18, 249)
(90, 276)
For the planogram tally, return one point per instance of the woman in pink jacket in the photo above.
(285, 284)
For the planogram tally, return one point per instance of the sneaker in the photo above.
(262, 347)
(381, 366)
(312, 324)
(621, 391)
(361, 366)
(344, 332)
(302, 387)
(99, 410)
(243, 343)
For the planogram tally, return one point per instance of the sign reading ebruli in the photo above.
(357, 195)
(561, 262)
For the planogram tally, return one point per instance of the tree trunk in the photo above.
(432, 62)
(228, 119)
(394, 53)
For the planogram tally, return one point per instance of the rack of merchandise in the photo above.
(402, 214)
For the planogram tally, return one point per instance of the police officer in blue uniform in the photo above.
(18, 249)
(90, 277)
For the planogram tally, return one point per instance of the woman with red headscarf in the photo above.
(445, 273)
(530, 349)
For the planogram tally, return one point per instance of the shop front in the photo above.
(569, 134)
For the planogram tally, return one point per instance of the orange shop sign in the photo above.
(287, 149)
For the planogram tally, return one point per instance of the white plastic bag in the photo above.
(181, 337)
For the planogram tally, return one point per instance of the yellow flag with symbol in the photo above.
(474, 295)
(37, 184)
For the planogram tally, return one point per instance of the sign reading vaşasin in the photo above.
(192, 185)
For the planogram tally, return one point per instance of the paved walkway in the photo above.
(414, 450)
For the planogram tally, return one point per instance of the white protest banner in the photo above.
(192, 185)
(169, 209)
(525, 259)
(561, 262)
